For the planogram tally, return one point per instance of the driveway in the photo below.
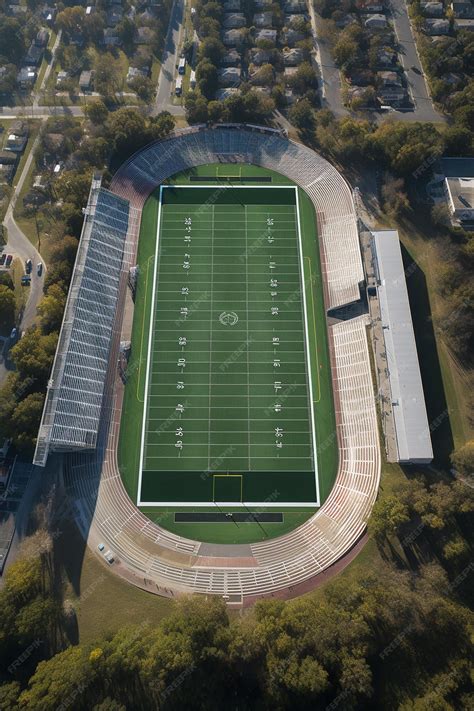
(163, 100)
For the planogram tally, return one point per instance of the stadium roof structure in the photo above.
(72, 409)
(408, 400)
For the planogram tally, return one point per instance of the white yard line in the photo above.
(247, 331)
(210, 344)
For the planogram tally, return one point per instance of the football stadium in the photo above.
(214, 405)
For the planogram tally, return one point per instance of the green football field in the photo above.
(228, 399)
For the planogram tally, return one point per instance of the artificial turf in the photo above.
(229, 419)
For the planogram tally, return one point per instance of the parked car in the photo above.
(101, 547)
(25, 280)
(2, 259)
(13, 334)
(28, 266)
(109, 557)
(8, 260)
(39, 268)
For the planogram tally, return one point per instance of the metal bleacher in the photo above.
(72, 410)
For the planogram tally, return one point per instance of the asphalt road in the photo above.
(424, 110)
(20, 246)
(164, 93)
(330, 84)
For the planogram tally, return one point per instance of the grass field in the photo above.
(242, 419)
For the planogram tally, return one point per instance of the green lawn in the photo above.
(251, 454)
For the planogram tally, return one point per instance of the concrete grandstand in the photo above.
(148, 555)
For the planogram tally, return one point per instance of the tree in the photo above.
(33, 355)
(304, 79)
(7, 307)
(25, 422)
(107, 74)
(344, 51)
(161, 125)
(71, 19)
(206, 78)
(126, 128)
(97, 112)
(301, 115)
(196, 107)
(12, 43)
(9, 694)
(463, 459)
(51, 308)
(388, 514)
(211, 48)
(395, 199)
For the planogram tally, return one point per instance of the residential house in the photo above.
(454, 80)
(7, 166)
(290, 37)
(61, 78)
(34, 56)
(234, 20)
(42, 38)
(222, 94)
(26, 77)
(463, 8)
(229, 76)
(386, 56)
(346, 20)
(111, 37)
(370, 6)
(295, 21)
(17, 10)
(114, 16)
(257, 76)
(232, 38)
(293, 57)
(460, 197)
(135, 73)
(436, 27)
(85, 80)
(265, 34)
(232, 58)
(263, 19)
(231, 6)
(289, 74)
(144, 35)
(376, 22)
(77, 39)
(16, 144)
(389, 79)
(361, 77)
(432, 9)
(460, 25)
(49, 15)
(392, 95)
(295, 6)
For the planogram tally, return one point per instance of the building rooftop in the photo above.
(408, 400)
(461, 193)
